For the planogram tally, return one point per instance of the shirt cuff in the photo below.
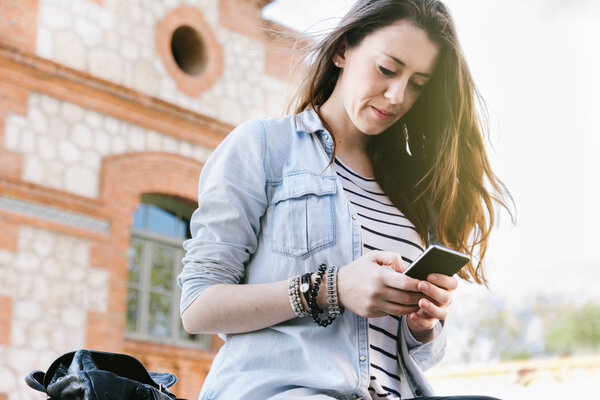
(413, 343)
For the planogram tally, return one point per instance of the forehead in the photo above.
(404, 41)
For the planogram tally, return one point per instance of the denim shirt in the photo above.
(269, 207)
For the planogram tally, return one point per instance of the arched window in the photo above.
(160, 225)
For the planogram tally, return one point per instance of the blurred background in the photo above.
(535, 332)
(108, 109)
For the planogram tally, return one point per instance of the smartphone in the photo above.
(437, 259)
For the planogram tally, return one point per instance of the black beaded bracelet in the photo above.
(312, 304)
(314, 291)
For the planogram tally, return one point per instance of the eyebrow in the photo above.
(399, 61)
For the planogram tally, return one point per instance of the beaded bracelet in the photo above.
(314, 307)
(294, 296)
(332, 298)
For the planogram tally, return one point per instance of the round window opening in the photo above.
(189, 50)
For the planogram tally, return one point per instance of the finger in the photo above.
(401, 297)
(440, 296)
(390, 258)
(444, 281)
(398, 281)
(433, 310)
(422, 320)
(399, 309)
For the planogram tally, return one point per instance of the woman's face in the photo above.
(382, 77)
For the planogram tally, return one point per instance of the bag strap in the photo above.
(35, 380)
(166, 379)
(123, 365)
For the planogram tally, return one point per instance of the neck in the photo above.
(348, 139)
(359, 161)
(350, 143)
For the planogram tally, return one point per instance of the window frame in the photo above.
(148, 240)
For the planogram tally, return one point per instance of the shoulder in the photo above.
(282, 144)
(277, 137)
(263, 129)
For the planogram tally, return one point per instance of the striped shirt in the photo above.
(384, 227)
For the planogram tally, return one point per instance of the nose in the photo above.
(395, 91)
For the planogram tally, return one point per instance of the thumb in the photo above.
(392, 259)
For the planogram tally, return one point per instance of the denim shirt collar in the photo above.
(308, 121)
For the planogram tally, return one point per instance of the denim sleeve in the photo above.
(226, 224)
(428, 354)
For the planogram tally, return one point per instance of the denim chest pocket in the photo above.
(303, 215)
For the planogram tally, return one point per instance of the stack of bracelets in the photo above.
(302, 285)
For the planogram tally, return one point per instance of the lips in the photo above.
(382, 114)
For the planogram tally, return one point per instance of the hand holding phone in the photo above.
(437, 259)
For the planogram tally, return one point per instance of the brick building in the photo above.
(108, 109)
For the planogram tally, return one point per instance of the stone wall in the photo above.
(93, 115)
(115, 41)
(63, 144)
(52, 286)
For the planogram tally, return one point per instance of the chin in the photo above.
(371, 130)
(374, 128)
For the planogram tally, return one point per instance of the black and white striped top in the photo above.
(384, 227)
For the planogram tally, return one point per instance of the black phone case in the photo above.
(436, 261)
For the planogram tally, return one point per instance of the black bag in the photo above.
(96, 375)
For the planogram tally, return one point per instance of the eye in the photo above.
(385, 71)
(416, 85)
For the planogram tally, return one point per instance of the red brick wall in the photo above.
(124, 179)
(9, 232)
(243, 16)
(18, 23)
(31, 73)
(191, 366)
(9, 237)
(14, 99)
(284, 52)
(5, 319)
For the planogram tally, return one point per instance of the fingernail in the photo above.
(424, 286)
(433, 277)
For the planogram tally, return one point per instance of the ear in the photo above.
(339, 58)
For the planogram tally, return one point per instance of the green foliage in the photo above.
(544, 327)
(521, 353)
(571, 330)
(504, 329)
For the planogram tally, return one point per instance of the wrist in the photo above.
(421, 334)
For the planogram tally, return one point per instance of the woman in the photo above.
(322, 209)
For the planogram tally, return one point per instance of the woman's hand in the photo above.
(372, 286)
(434, 307)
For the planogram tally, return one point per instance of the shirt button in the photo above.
(355, 396)
(354, 216)
(362, 358)
(326, 136)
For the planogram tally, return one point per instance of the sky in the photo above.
(536, 65)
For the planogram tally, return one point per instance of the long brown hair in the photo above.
(443, 182)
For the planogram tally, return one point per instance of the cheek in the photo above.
(411, 99)
(362, 82)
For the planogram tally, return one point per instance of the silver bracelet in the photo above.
(333, 304)
(294, 295)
